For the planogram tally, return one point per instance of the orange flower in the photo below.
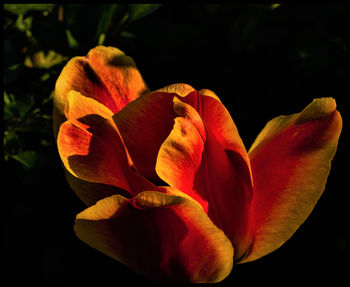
(170, 188)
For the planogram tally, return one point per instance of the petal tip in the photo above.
(209, 93)
(320, 107)
(105, 50)
(180, 89)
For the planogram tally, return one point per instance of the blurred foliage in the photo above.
(39, 39)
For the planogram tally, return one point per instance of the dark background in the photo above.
(262, 61)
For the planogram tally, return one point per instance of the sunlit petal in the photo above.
(161, 236)
(106, 74)
(290, 162)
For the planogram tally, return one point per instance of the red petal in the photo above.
(218, 176)
(290, 162)
(144, 124)
(161, 236)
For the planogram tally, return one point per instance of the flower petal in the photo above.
(181, 153)
(93, 156)
(161, 236)
(290, 162)
(149, 120)
(106, 75)
(79, 106)
(76, 109)
(144, 124)
(180, 89)
(210, 164)
(93, 152)
(226, 170)
(91, 192)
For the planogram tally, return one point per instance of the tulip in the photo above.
(170, 189)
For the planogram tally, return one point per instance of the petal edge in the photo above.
(115, 227)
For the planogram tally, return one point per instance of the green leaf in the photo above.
(40, 60)
(49, 98)
(105, 19)
(9, 136)
(274, 6)
(265, 7)
(13, 143)
(23, 24)
(27, 158)
(127, 34)
(70, 13)
(101, 39)
(138, 11)
(24, 105)
(71, 40)
(45, 77)
(44, 142)
(9, 99)
(17, 108)
(24, 8)
(9, 103)
(40, 124)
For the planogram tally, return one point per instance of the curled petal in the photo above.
(224, 176)
(92, 150)
(181, 153)
(144, 124)
(79, 106)
(205, 158)
(106, 74)
(161, 236)
(180, 89)
(148, 121)
(188, 112)
(209, 93)
(95, 157)
(290, 162)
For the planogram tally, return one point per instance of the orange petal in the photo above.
(216, 174)
(181, 153)
(97, 155)
(180, 89)
(79, 106)
(92, 150)
(144, 124)
(93, 156)
(290, 162)
(161, 236)
(80, 109)
(209, 93)
(106, 74)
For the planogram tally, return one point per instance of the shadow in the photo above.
(122, 61)
(147, 240)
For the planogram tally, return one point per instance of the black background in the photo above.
(286, 58)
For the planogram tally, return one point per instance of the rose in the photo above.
(170, 188)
